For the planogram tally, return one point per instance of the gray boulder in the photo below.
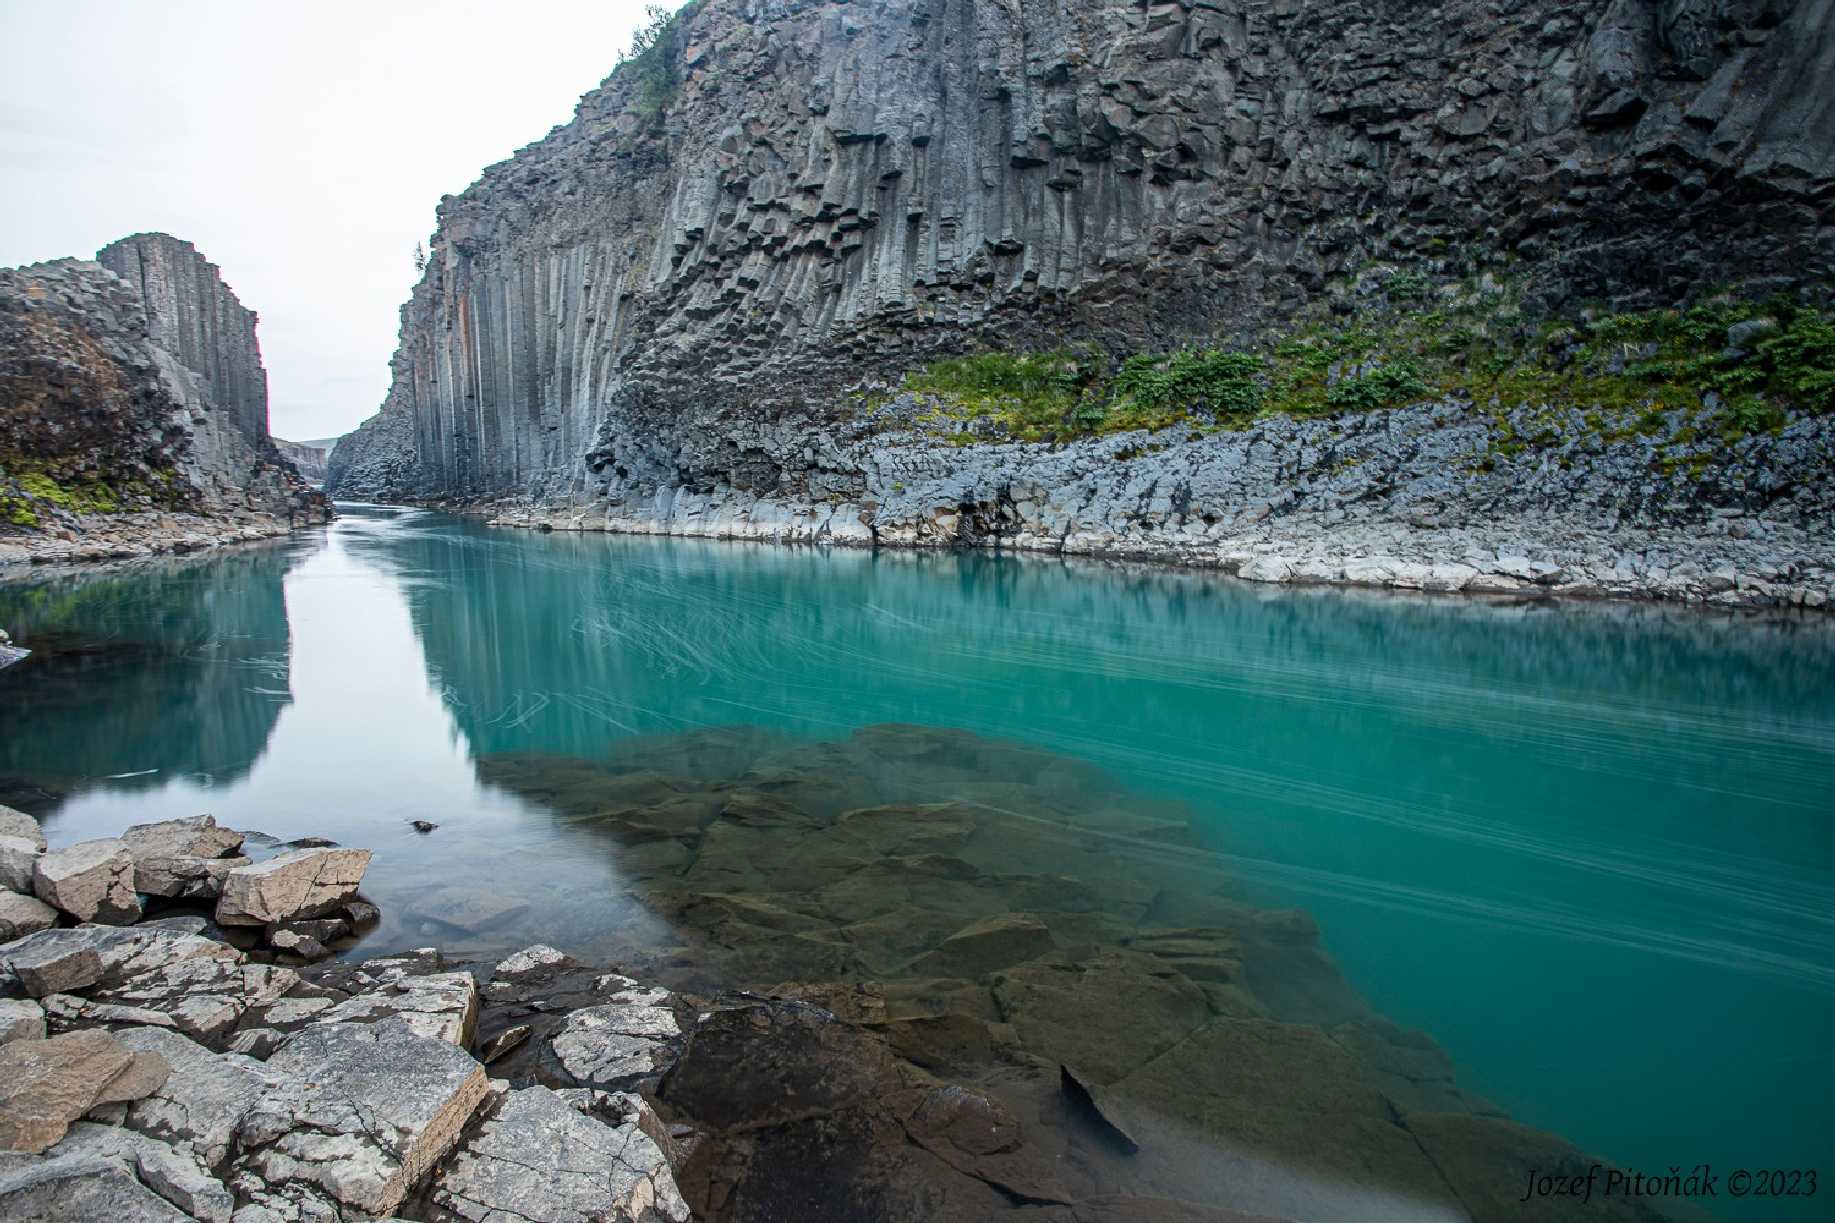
(588, 1172)
(21, 1019)
(91, 881)
(300, 884)
(80, 1187)
(199, 1106)
(185, 858)
(175, 1176)
(618, 1047)
(362, 1112)
(23, 915)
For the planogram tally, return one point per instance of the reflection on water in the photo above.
(1586, 848)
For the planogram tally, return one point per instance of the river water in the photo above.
(1588, 850)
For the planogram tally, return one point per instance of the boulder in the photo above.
(19, 824)
(361, 1111)
(301, 884)
(47, 1084)
(472, 910)
(183, 859)
(18, 861)
(202, 997)
(21, 1019)
(91, 881)
(23, 915)
(53, 962)
(588, 1172)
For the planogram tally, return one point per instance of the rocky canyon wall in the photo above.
(793, 196)
(133, 383)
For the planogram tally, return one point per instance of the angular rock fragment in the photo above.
(53, 962)
(986, 946)
(488, 1050)
(47, 1084)
(18, 861)
(21, 1019)
(302, 884)
(361, 1111)
(588, 1172)
(203, 998)
(91, 881)
(19, 824)
(185, 858)
(618, 1047)
(23, 915)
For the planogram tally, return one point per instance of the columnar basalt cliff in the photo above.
(788, 198)
(133, 387)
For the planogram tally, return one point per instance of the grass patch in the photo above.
(1630, 372)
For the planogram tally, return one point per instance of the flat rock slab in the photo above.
(185, 859)
(173, 1175)
(443, 1006)
(81, 1187)
(47, 1084)
(60, 961)
(200, 1104)
(470, 909)
(51, 962)
(23, 915)
(991, 944)
(362, 1111)
(587, 1171)
(203, 998)
(301, 884)
(617, 1047)
(91, 881)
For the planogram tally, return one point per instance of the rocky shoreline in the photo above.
(1435, 497)
(116, 537)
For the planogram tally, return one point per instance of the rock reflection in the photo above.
(191, 652)
(1018, 920)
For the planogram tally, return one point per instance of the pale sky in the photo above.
(302, 147)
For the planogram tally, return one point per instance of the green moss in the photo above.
(1629, 373)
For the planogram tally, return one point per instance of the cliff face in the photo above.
(135, 383)
(309, 461)
(791, 196)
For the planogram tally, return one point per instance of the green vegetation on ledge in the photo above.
(28, 488)
(1739, 364)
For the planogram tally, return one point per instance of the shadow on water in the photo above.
(1586, 848)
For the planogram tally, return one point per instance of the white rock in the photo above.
(19, 824)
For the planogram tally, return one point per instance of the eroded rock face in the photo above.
(832, 190)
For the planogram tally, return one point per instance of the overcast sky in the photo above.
(302, 146)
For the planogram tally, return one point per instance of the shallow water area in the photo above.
(1572, 864)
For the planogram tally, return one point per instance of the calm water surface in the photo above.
(1588, 849)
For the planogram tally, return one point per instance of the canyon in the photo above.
(686, 310)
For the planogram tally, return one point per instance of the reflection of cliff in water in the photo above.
(568, 642)
(143, 671)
